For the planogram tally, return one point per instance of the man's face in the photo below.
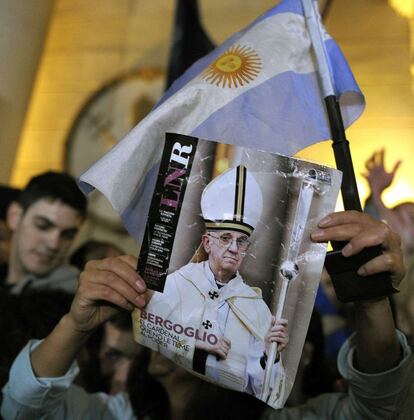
(226, 250)
(42, 235)
(116, 354)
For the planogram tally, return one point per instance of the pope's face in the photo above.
(226, 250)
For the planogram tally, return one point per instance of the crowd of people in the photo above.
(68, 347)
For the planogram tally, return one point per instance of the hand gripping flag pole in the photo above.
(313, 181)
(348, 285)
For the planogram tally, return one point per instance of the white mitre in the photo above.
(232, 201)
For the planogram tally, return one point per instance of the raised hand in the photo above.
(378, 178)
(105, 286)
(377, 345)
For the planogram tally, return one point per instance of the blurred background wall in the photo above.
(23, 32)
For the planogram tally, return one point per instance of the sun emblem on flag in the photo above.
(236, 67)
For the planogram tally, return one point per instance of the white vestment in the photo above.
(191, 298)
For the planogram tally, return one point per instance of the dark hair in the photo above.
(149, 399)
(90, 250)
(7, 195)
(122, 321)
(57, 186)
(91, 377)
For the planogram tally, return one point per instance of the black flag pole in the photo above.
(342, 155)
(189, 41)
(349, 286)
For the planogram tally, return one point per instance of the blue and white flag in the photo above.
(259, 89)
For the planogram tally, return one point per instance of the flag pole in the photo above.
(348, 285)
(342, 155)
(340, 144)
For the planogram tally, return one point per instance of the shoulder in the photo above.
(250, 298)
(187, 272)
(247, 291)
(182, 276)
(79, 404)
(189, 268)
(257, 290)
(64, 277)
(65, 271)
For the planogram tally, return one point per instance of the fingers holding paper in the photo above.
(105, 287)
(362, 231)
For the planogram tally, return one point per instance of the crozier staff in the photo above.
(210, 295)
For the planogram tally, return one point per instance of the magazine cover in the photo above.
(230, 266)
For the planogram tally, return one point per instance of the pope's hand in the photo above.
(277, 333)
(220, 349)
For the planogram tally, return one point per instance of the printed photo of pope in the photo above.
(231, 325)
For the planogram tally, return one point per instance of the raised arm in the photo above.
(377, 348)
(105, 287)
(379, 180)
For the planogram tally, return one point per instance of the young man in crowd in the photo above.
(374, 360)
(44, 222)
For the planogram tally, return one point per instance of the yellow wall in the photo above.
(92, 41)
(375, 41)
(23, 30)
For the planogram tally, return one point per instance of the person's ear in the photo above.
(206, 242)
(14, 215)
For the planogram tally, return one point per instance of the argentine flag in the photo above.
(259, 89)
